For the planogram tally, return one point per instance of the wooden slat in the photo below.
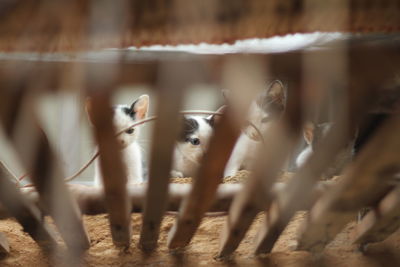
(18, 118)
(24, 211)
(363, 184)
(165, 132)
(112, 168)
(381, 221)
(205, 184)
(255, 194)
(279, 143)
(4, 245)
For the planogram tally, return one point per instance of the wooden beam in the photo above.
(381, 221)
(364, 183)
(24, 211)
(205, 183)
(91, 199)
(172, 82)
(112, 168)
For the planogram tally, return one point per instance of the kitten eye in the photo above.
(130, 131)
(195, 141)
(265, 119)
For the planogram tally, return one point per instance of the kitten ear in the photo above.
(276, 92)
(141, 107)
(213, 119)
(308, 132)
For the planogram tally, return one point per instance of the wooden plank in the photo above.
(4, 245)
(381, 221)
(205, 184)
(91, 199)
(170, 96)
(24, 211)
(364, 183)
(112, 168)
(18, 117)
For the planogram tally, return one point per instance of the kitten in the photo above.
(192, 144)
(313, 134)
(123, 117)
(267, 107)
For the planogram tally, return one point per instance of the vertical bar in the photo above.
(280, 141)
(205, 183)
(112, 168)
(170, 95)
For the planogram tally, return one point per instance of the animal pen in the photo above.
(53, 47)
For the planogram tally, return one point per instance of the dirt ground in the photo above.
(202, 250)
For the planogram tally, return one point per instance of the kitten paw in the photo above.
(176, 174)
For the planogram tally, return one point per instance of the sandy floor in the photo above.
(25, 252)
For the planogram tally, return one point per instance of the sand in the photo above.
(203, 248)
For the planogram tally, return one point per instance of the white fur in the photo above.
(338, 163)
(187, 157)
(131, 151)
(303, 156)
(247, 145)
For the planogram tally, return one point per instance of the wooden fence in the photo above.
(366, 182)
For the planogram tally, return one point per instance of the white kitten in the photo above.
(268, 107)
(123, 117)
(313, 134)
(192, 144)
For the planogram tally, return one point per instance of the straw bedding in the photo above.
(201, 251)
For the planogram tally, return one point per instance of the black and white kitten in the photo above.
(124, 116)
(266, 108)
(192, 144)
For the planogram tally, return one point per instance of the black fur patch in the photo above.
(190, 126)
(128, 111)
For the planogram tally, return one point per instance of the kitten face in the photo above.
(125, 115)
(268, 107)
(194, 137)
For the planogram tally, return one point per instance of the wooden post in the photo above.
(170, 94)
(205, 184)
(112, 168)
